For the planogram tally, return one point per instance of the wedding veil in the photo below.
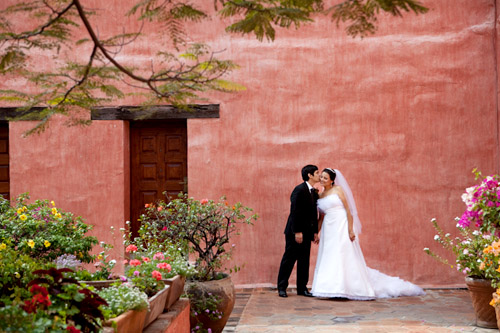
(342, 182)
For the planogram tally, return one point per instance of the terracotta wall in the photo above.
(84, 170)
(405, 115)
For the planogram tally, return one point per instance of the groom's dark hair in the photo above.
(308, 169)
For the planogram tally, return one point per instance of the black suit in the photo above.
(303, 218)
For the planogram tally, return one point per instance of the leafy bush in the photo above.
(202, 226)
(43, 231)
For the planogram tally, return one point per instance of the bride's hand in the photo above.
(352, 235)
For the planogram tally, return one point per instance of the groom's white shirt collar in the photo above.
(309, 186)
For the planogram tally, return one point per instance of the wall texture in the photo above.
(405, 114)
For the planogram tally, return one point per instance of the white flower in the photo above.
(457, 219)
(127, 222)
(466, 251)
(112, 262)
(475, 232)
(122, 229)
(433, 219)
(447, 235)
(426, 249)
(486, 236)
(436, 237)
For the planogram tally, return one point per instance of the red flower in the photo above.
(29, 306)
(164, 228)
(164, 265)
(131, 248)
(203, 201)
(156, 275)
(72, 329)
(146, 259)
(36, 289)
(135, 262)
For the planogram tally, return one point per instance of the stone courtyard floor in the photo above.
(440, 310)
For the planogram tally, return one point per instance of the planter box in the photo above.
(156, 305)
(99, 284)
(128, 322)
(176, 284)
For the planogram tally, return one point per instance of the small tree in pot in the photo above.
(204, 228)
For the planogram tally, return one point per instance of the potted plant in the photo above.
(204, 228)
(169, 257)
(126, 307)
(473, 249)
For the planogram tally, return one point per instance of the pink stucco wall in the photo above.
(405, 115)
(84, 170)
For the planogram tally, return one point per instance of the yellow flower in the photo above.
(58, 215)
(54, 210)
(46, 243)
(19, 211)
(53, 203)
(99, 257)
(17, 275)
(3, 246)
(24, 208)
(80, 254)
(23, 217)
(492, 302)
(31, 243)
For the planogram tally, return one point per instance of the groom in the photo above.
(301, 229)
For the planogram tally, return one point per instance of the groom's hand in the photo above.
(316, 239)
(298, 237)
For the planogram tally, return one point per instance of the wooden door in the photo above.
(4, 161)
(158, 151)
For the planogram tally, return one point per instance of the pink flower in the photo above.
(136, 273)
(131, 248)
(158, 256)
(160, 208)
(164, 228)
(164, 265)
(156, 275)
(135, 262)
(204, 201)
(146, 259)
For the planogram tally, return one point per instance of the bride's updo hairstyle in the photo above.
(332, 174)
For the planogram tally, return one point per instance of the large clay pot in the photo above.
(156, 305)
(176, 284)
(480, 292)
(496, 297)
(224, 291)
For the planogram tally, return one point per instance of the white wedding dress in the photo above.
(341, 270)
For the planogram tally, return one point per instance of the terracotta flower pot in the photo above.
(222, 289)
(176, 284)
(128, 322)
(156, 305)
(480, 292)
(99, 284)
(496, 298)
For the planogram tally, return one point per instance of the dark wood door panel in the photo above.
(158, 163)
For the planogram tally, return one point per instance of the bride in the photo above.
(341, 270)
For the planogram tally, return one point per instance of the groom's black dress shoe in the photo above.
(282, 293)
(305, 293)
